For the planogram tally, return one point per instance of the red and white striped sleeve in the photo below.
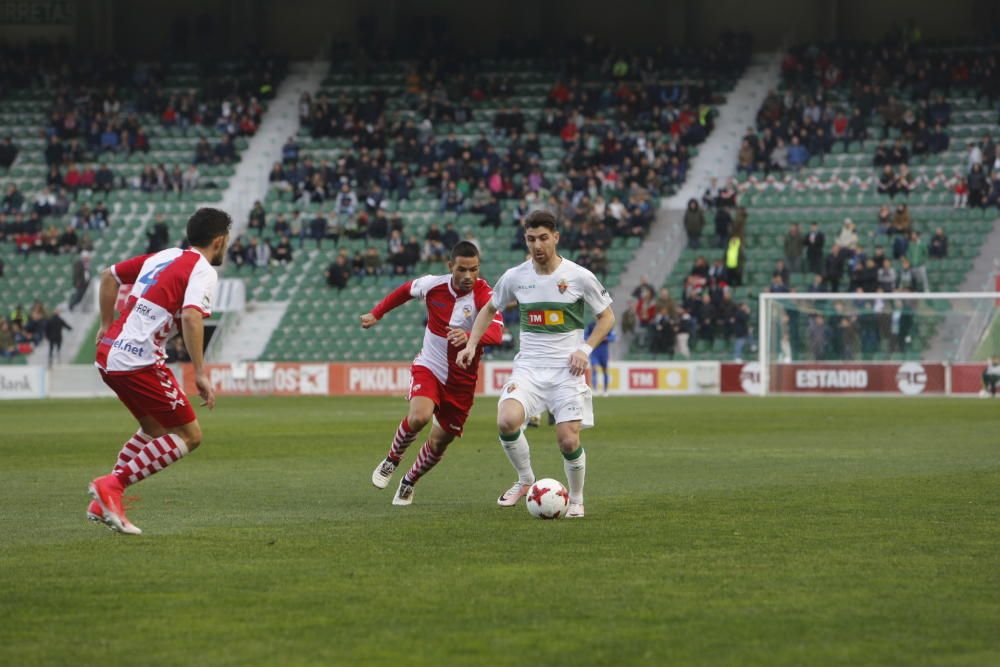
(127, 272)
(200, 288)
(393, 299)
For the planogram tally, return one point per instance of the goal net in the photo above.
(896, 343)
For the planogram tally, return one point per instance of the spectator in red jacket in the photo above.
(645, 307)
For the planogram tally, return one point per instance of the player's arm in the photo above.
(107, 296)
(605, 323)
(494, 333)
(580, 359)
(122, 273)
(484, 320)
(492, 336)
(193, 327)
(394, 299)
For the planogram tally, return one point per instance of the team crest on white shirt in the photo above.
(467, 311)
(563, 286)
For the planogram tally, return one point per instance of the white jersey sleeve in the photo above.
(200, 288)
(594, 293)
(420, 286)
(503, 292)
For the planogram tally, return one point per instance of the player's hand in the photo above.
(578, 363)
(466, 356)
(205, 390)
(368, 321)
(457, 337)
(100, 334)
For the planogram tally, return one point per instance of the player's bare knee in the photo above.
(508, 424)
(510, 417)
(569, 443)
(418, 419)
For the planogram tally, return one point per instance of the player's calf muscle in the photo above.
(190, 433)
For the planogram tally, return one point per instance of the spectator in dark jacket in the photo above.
(317, 229)
(283, 251)
(814, 243)
(834, 269)
(225, 151)
(694, 223)
(159, 235)
(939, 244)
(978, 186)
(8, 153)
(793, 243)
(104, 179)
(53, 333)
(338, 273)
(723, 224)
(81, 279)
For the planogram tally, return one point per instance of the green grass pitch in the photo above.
(719, 531)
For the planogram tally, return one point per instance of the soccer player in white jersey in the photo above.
(439, 388)
(551, 367)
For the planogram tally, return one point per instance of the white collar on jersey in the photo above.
(534, 269)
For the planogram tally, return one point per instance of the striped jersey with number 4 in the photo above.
(163, 284)
(552, 309)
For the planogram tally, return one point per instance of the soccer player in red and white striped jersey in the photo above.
(169, 288)
(439, 387)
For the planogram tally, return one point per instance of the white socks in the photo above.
(516, 449)
(519, 455)
(576, 470)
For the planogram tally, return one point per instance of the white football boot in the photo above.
(404, 494)
(575, 511)
(513, 494)
(383, 473)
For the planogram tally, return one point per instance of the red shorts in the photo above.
(152, 392)
(451, 404)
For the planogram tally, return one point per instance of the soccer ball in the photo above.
(547, 499)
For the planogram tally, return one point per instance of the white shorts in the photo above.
(565, 395)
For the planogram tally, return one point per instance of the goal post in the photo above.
(895, 342)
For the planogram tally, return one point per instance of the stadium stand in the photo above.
(107, 164)
(871, 143)
(395, 164)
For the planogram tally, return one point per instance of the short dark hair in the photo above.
(540, 218)
(464, 249)
(206, 225)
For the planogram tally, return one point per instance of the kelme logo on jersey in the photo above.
(546, 318)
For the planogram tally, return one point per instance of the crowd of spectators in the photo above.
(624, 127)
(897, 259)
(45, 223)
(897, 87)
(96, 109)
(705, 313)
(101, 107)
(887, 256)
(22, 330)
